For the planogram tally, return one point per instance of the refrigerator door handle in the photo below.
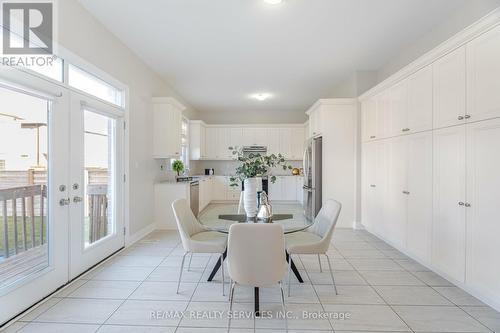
(304, 164)
(307, 188)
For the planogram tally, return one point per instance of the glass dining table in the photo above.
(220, 217)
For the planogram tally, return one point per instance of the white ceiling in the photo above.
(217, 52)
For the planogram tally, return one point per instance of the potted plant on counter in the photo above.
(251, 169)
(178, 167)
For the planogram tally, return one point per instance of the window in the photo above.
(86, 82)
(53, 70)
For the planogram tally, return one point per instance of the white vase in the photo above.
(250, 196)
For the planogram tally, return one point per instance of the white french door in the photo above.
(61, 187)
(96, 182)
(34, 172)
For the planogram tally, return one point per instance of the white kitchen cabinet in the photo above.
(275, 190)
(483, 72)
(219, 188)
(379, 209)
(315, 119)
(450, 89)
(398, 108)
(167, 114)
(397, 198)
(273, 137)
(420, 100)
(248, 136)
(368, 193)
(285, 188)
(235, 137)
(211, 141)
(285, 142)
(298, 140)
(419, 187)
(448, 241)
(223, 144)
(197, 140)
(369, 119)
(483, 191)
(383, 114)
(299, 183)
(205, 192)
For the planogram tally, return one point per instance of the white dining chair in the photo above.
(196, 238)
(315, 239)
(256, 257)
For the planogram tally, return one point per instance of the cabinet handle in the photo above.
(406, 192)
(461, 203)
(372, 137)
(405, 129)
(373, 185)
(467, 204)
(467, 116)
(460, 118)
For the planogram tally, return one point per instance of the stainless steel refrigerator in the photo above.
(312, 177)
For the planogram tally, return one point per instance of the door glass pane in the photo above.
(24, 162)
(99, 161)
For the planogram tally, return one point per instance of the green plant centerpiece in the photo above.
(178, 166)
(255, 165)
(250, 168)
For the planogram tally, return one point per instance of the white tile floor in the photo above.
(380, 288)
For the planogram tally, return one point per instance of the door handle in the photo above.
(467, 204)
(467, 116)
(373, 185)
(64, 202)
(461, 203)
(406, 192)
(460, 117)
(372, 137)
(77, 199)
(405, 130)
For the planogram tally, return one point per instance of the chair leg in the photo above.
(222, 272)
(320, 268)
(189, 265)
(289, 272)
(331, 273)
(180, 273)
(231, 297)
(283, 306)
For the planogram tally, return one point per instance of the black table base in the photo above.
(256, 289)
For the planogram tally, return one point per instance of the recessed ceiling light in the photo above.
(273, 2)
(261, 96)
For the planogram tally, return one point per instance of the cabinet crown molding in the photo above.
(169, 100)
(331, 101)
(464, 36)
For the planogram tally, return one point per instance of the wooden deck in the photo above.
(23, 264)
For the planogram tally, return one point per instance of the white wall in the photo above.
(83, 35)
(472, 11)
(254, 117)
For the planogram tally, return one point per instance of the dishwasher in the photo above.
(194, 197)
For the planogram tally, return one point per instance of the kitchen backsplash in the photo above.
(223, 168)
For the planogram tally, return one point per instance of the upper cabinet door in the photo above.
(273, 137)
(285, 142)
(248, 136)
(369, 116)
(398, 107)
(449, 89)
(448, 242)
(419, 116)
(483, 191)
(167, 129)
(211, 142)
(223, 138)
(235, 137)
(383, 114)
(298, 135)
(483, 76)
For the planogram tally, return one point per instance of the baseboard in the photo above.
(131, 239)
(495, 304)
(358, 225)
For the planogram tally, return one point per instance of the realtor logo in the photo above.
(27, 27)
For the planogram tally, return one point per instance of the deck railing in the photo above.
(98, 211)
(23, 218)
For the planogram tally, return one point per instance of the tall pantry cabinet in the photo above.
(431, 164)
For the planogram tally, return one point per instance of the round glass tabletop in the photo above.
(219, 217)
